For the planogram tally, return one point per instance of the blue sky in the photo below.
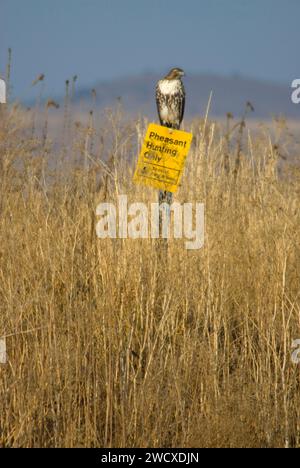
(105, 39)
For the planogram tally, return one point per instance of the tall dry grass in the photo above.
(112, 344)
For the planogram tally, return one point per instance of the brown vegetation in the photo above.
(108, 345)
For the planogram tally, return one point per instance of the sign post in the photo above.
(161, 162)
(162, 158)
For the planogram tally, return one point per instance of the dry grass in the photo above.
(109, 345)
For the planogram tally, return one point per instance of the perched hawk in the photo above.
(170, 99)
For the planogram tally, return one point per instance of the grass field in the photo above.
(115, 343)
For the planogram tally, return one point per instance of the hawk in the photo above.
(170, 99)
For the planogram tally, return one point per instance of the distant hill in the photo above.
(229, 95)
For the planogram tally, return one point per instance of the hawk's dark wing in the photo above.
(160, 101)
(181, 103)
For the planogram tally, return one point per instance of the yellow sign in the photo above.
(162, 157)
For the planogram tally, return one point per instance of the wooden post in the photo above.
(165, 198)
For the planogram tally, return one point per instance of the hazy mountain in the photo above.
(229, 95)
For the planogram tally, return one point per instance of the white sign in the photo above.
(2, 92)
(3, 356)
